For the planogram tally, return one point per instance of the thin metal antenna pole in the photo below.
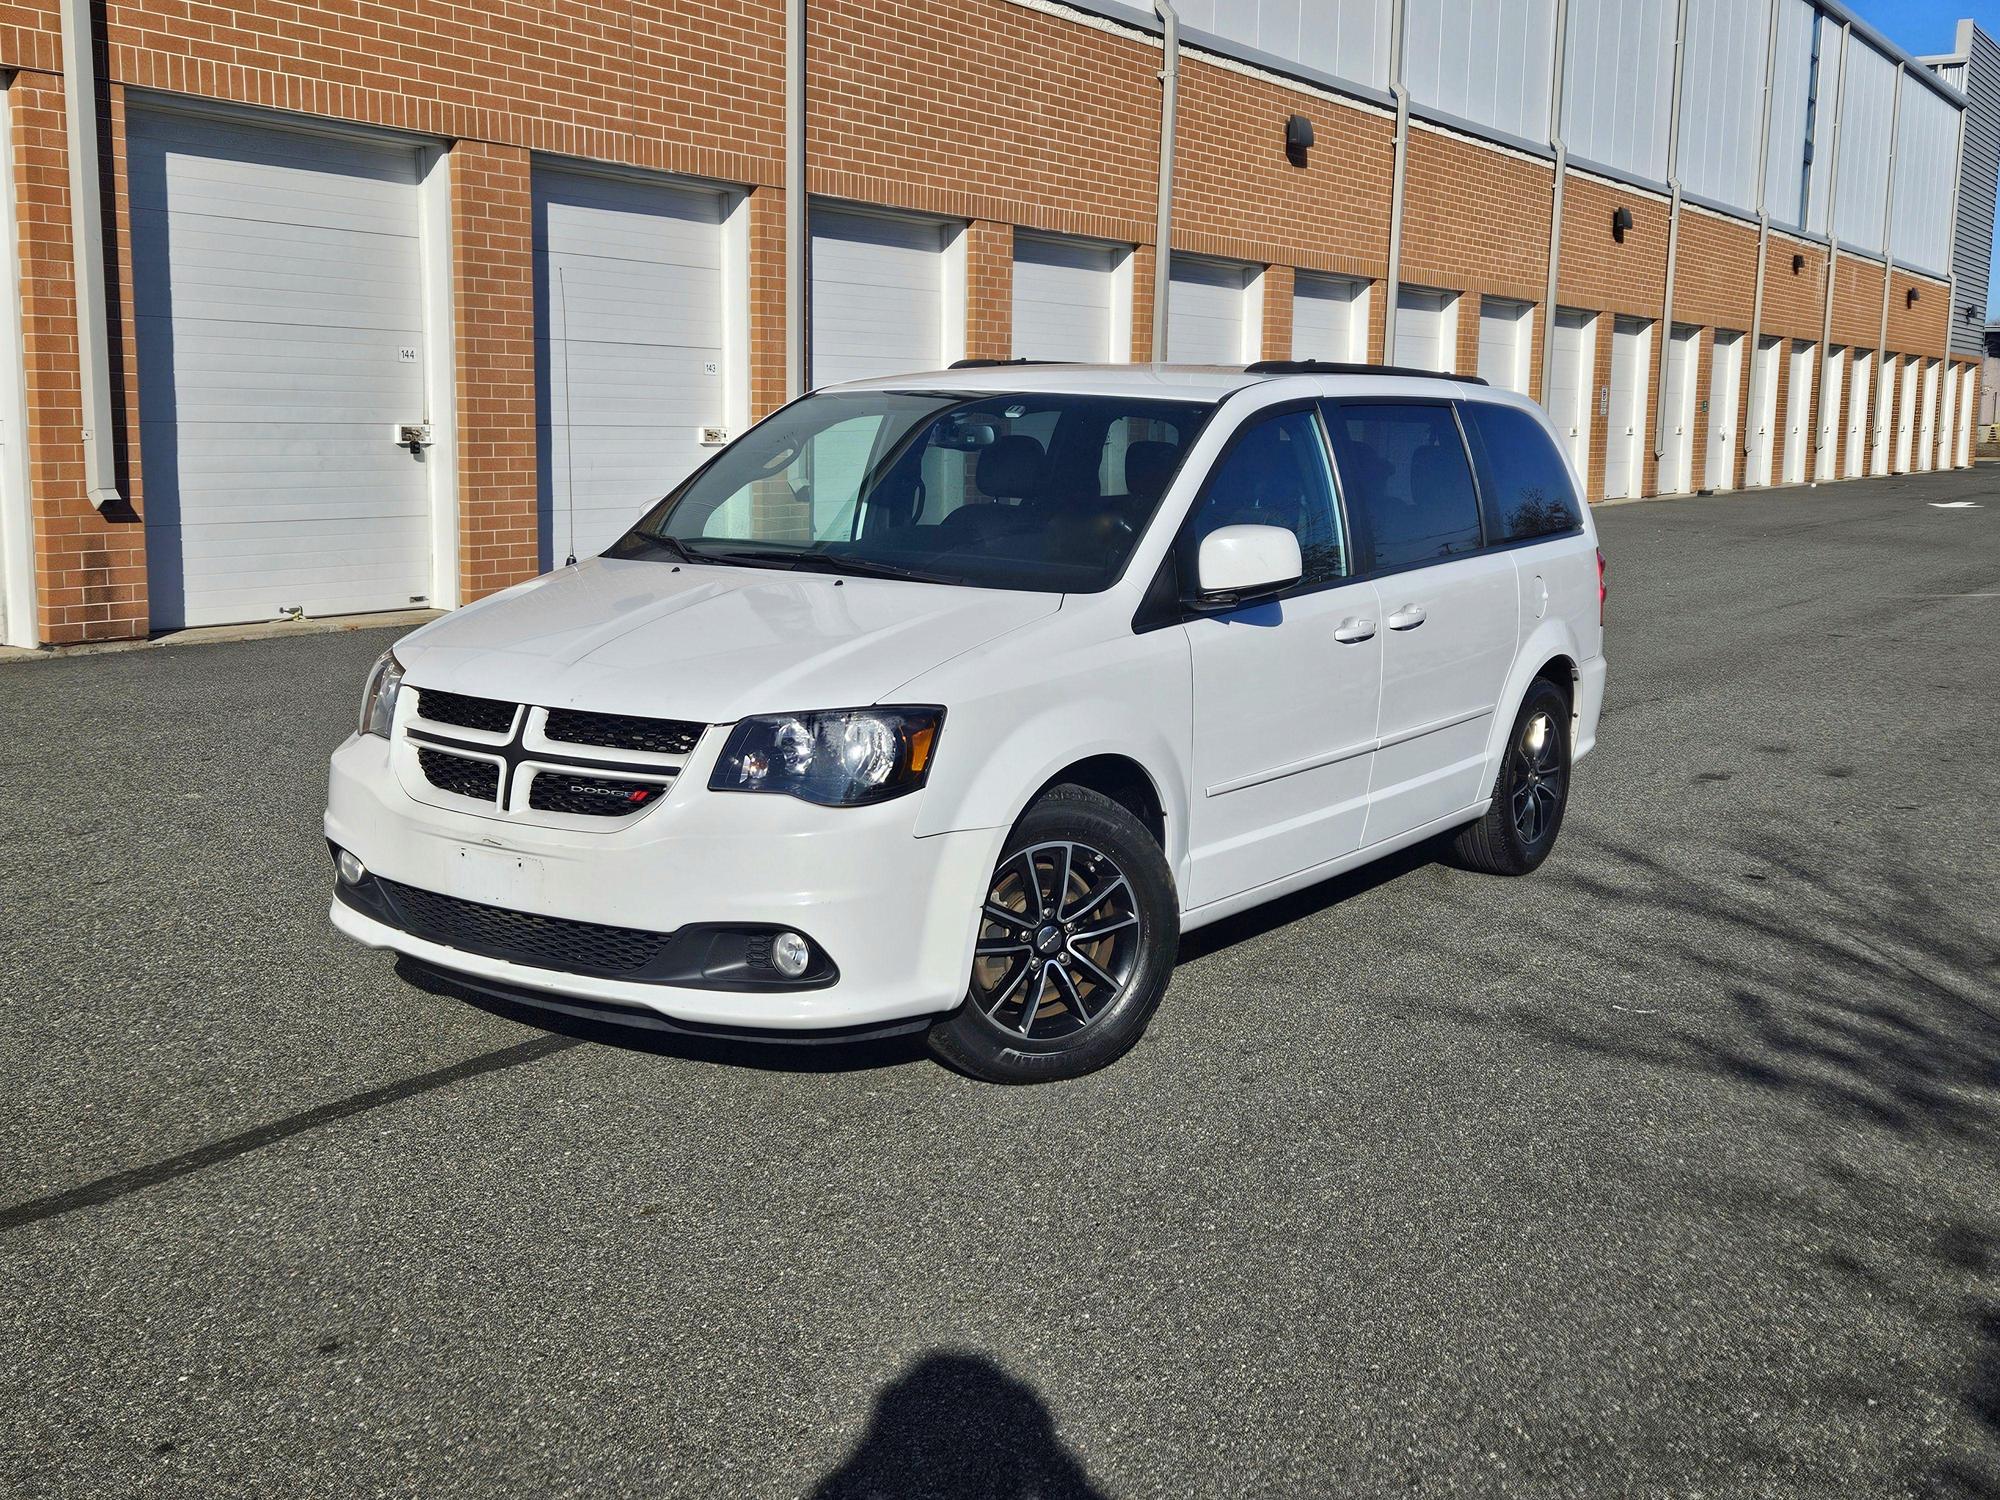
(569, 428)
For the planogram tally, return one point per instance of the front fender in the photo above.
(1029, 719)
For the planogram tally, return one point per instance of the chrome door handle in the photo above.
(1409, 617)
(1354, 630)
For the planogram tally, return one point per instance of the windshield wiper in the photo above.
(860, 567)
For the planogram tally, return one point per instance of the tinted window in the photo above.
(1408, 485)
(1522, 477)
(1276, 474)
(1015, 491)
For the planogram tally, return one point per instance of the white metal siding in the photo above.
(1618, 83)
(1506, 335)
(1926, 151)
(1677, 407)
(1347, 38)
(1624, 442)
(1064, 296)
(1329, 318)
(1570, 376)
(1860, 430)
(1722, 102)
(1801, 100)
(1798, 410)
(877, 295)
(628, 348)
(1208, 313)
(1725, 390)
(1426, 330)
(1486, 61)
(279, 308)
(1864, 146)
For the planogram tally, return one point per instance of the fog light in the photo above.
(790, 954)
(352, 871)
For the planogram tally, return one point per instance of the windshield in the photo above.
(1009, 491)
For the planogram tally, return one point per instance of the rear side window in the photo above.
(1522, 477)
(1405, 476)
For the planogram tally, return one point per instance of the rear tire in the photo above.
(1076, 945)
(1531, 792)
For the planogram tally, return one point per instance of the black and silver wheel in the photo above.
(1076, 942)
(1529, 794)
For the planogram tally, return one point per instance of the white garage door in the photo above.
(1677, 409)
(1426, 330)
(1208, 313)
(1506, 333)
(279, 308)
(1906, 415)
(1763, 418)
(1859, 404)
(1329, 319)
(1833, 389)
(877, 295)
(1927, 423)
(1065, 295)
(1798, 410)
(1570, 376)
(628, 349)
(1725, 379)
(1631, 346)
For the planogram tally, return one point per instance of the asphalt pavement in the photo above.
(1671, 1170)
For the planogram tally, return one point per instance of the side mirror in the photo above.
(1240, 564)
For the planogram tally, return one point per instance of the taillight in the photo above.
(1603, 577)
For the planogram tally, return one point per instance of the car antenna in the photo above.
(569, 428)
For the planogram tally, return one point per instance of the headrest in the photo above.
(1148, 467)
(1011, 468)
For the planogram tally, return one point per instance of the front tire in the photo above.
(1531, 792)
(1076, 944)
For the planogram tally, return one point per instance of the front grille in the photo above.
(489, 714)
(456, 773)
(591, 796)
(523, 937)
(622, 731)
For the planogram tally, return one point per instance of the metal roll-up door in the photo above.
(1763, 417)
(1677, 410)
(1833, 390)
(1859, 404)
(1570, 374)
(1329, 318)
(1425, 330)
(279, 308)
(1505, 337)
(629, 349)
(877, 295)
(1623, 450)
(1725, 381)
(1064, 296)
(1208, 313)
(1798, 410)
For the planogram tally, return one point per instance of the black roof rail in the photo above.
(989, 364)
(1336, 367)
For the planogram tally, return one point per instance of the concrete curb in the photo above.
(208, 635)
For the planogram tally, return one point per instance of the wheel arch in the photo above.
(1549, 654)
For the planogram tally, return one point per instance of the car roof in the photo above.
(1168, 381)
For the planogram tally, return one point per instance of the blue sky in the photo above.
(1927, 27)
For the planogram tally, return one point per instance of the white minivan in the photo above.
(949, 702)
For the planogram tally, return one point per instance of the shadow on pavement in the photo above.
(956, 1426)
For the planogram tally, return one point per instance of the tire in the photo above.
(1531, 792)
(1057, 994)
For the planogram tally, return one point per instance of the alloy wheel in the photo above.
(1059, 941)
(1538, 778)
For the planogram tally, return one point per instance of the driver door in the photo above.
(1286, 691)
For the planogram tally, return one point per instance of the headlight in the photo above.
(378, 699)
(843, 758)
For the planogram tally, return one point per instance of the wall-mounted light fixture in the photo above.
(1621, 220)
(1910, 297)
(1298, 139)
(1969, 313)
(1798, 264)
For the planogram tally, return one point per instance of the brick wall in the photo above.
(978, 110)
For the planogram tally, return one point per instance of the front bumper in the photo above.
(897, 914)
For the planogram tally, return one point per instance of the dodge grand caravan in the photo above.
(949, 702)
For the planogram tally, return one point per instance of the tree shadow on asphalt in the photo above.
(1854, 996)
(955, 1426)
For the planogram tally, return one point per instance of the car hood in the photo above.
(706, 643)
